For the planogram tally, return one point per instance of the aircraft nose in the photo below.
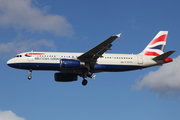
(9, 63)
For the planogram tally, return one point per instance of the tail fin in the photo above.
(157, 45)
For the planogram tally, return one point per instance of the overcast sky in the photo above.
(77, 26)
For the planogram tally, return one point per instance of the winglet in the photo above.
(93, 77)
(118, 35)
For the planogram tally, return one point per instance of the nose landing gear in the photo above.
(30, 73)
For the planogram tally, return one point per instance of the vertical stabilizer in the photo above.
(157, 45)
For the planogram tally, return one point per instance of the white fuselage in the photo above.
(106, 63)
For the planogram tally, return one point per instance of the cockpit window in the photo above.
(18, 56)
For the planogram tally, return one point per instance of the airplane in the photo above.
(71, 65)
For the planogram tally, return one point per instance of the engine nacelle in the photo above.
(65, 77)
(70, 63)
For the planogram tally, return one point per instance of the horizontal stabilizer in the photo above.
(163, 56)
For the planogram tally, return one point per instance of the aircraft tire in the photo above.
(84, 82)
(29, 77)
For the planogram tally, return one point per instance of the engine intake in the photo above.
(70, 63)
(65, 77)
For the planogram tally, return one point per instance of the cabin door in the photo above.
(139, 59)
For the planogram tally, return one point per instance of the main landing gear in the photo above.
(84, 82)
(30, 73)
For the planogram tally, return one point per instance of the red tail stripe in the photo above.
(151, 53)
(161, 38)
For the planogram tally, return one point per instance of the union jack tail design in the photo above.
(157, 45)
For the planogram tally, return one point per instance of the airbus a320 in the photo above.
(71, 65)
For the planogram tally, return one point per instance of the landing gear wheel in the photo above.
(84, 82)
(29, 77)
(30, 73)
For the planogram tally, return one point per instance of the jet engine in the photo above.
(65, 77)
(70, 63)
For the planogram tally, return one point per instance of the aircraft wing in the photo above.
(96, 52)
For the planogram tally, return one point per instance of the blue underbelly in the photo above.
(116, 68)
(56, 66)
